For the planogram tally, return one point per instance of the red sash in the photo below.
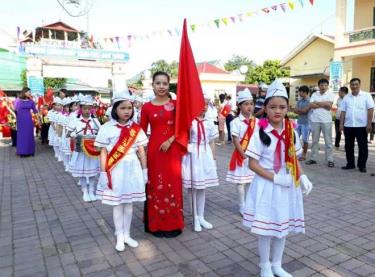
(226, 110)
(127, 138)
(237, 159)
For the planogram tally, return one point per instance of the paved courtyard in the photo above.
(47, 230)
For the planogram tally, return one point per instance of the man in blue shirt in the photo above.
(302, 109)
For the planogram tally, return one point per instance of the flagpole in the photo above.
(191, 179)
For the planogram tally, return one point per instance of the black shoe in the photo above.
(331, 164)
(363, 169)
(347, 167)
(158, 234)
(172, 234)
(310, 162)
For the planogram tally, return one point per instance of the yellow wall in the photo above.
(362, 70)
(314, 58)
(363, 14)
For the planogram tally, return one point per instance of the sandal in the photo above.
(331, 164)
(302, 159)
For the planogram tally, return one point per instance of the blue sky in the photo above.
(259, 37)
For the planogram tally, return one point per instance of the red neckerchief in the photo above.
(277, 155)
(201, 131)
(87, 127)
(124, 130)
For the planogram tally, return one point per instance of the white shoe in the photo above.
(131, 242)
(86, 196)
(204, 223)
(279, 271)
(79, 183)
(120, 243)
(92, 196)
(197, 225)
(265, 270)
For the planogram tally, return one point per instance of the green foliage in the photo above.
(24, 78)
(266, 73)
(237, 61)
(54, 83)
(162, 65)
(137, 82)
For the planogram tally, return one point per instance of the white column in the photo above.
(340, 38)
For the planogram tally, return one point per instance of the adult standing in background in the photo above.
(357, 109)
(25, 125)
(229, 117)
(259, 103)
(321, 121)
(342, 92)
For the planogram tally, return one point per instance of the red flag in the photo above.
(190, 101)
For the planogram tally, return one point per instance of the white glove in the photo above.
(103, 180)
(73, 134)
(283, 179)
(145, 175)
(190, 147)
(306, 185)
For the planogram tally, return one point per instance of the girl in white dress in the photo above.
(53, 117)
(200, 173)
(274, 203)
(82, 165)
(242, 128)
(65, 140)
(123, 166)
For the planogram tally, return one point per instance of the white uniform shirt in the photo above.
(211, 114)
(78, 126)
(238, 127)
(321, 115)
(109, 135)
(265, 155)
(210, 132)
(355, 108)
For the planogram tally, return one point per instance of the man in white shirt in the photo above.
(357, 109)
(321, 121)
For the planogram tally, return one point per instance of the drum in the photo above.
(86, 145)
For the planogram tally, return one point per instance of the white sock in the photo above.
(201, 201)
(189, 200)
(241, 195)
(194, 204)
(92, 184)
(264, 248)
(128, 214)
(118, 219)
(278, 246)
(83, 182)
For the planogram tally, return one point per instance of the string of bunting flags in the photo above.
(218, 23)
(121, 42)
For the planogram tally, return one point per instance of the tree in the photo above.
(162, 65)
(237, 61)
(55, 83)
(266, 73)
